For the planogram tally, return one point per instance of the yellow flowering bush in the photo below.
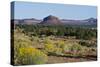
(49, 47)
(54, 49)
(20, 41)
(61, 45)
(48, 41)
(24, 53)
(31, 56)
(75, 47)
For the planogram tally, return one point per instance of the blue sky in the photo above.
(63, 11)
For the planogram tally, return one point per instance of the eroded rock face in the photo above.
(51, 20)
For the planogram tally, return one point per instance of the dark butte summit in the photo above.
(51, 20)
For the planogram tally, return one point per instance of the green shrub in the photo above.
(88, 43)
(76, 47)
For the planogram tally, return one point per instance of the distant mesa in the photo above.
(26, 21)
(91, 20)
(51, 20)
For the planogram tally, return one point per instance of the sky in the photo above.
(23, 10)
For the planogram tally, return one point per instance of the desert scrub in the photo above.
(31, 56)
(49, 48)
(88, 43)
(20, 41)
(61, 45)
(73, 48)
(23, 51)
(88, 51)
(48, 41)
(54, 49)
(58, 51)
(76, 47)
(37, 42)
